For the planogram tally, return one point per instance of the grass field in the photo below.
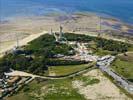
(24, 94)
(65, 70)
(49, 90)
(53, 89)
(87, 80)
(130, 48)
(124, 66)
(102, 52)
(60, 89)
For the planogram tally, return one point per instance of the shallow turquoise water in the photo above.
(121, 9)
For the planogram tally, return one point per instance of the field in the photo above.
(52, 90)
(88, 86)
(131, 48)
(102, 52)
(91, 85)
(124, 66)
(69, 69)
(39, 57)
(39, 53)
(101, 89)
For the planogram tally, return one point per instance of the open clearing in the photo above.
(124, 66)
(92, 85)
(65, 70)
(104, 90)
(48, 90)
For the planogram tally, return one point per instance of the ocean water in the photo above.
(120, 9)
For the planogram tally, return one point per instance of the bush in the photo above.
(56, 62)
(26, 88)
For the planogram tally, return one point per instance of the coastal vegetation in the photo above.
(41, 52)
(98, 42)
(49, 90)
(54, 89)
(40, 57)
(68, 69)
(123, 65)
(87, 80)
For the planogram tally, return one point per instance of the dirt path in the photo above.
(127, 53)
(25, 74)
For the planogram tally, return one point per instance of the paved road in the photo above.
(120, 80)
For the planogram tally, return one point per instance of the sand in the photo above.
(105, 90)
(83, 23)
(20, 73)
(31, 28)
(28, 28)
(21, 42)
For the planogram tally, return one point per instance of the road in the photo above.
(120, 80)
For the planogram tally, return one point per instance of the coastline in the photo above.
(80, 22)
(83, 30)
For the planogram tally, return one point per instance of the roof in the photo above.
(13, 79)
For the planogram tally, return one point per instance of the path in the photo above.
(103, 65)
(25, 74)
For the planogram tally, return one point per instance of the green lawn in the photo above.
(102, 52)
(63, 90)
(131, 48)
(124, 66)
(65, 70)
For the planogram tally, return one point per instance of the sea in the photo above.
(119, 9)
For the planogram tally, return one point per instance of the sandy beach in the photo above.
(29, 28)
(78, 22)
